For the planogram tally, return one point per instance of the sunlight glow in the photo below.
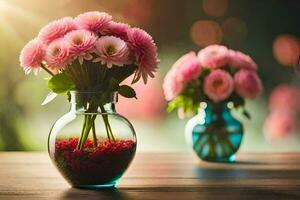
(3, 5)
(12, 10)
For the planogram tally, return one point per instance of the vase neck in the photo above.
(214, 111)
(92, 102)
(217, 107)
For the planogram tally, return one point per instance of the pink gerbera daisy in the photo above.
(213, 56)
(145, 53)
(247, 83)
(240, 60)
(112, 51)
(81, 44)
(32, 56)
(56, 29)
(280, 125)
(218, 85)
(116, 29)
(171, 86)
(285, 97)
(188, 67)
(57, 54)
(93, 21)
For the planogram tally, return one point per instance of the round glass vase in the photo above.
(92, 145)
(214, 133)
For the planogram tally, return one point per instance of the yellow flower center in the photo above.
(56, 51)
(110, 50)
(77, 40)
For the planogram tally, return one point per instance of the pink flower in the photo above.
(112, 51)
(247, 83)
(145, 52)
(93, 21)
(213, 56)
(280, 125)
(189, 71)
(57, 54)
(31, 56)
(119, 30)
(184, 70)
(240, 60)
(56, 29)
(218, 85)
(188, 67)
(171, 86)
(183, 59)
(81, 44)
(285, 97)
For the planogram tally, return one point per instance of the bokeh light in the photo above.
(216, 8)
(286, 49)
(235, 31)
(206, 32)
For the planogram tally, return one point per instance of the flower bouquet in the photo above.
(282, 123)
(89, 57)
(211, 83)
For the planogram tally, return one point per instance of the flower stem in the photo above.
(106, 128)
(110, 130)
(47, 70)
(81, 135)
(94, 134)
(107, 125)
(90, 122)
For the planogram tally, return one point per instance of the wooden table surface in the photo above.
(160, 176)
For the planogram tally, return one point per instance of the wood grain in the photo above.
(160, 176)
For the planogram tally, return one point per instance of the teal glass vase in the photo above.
(214, 133)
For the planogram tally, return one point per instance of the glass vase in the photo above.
(214, 133)
(92, 145)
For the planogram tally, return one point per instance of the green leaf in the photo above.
(247, 114)
(171, 106)
(237, 100)
(175, 103)
(50, 97)
(69, 96)
(61, 83)
(205, 72)
(127, 91)
(114, 85)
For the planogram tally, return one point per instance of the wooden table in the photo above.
(160, 176)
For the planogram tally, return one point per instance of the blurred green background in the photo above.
(268, 30)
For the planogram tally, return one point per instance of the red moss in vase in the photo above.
(100, 165)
